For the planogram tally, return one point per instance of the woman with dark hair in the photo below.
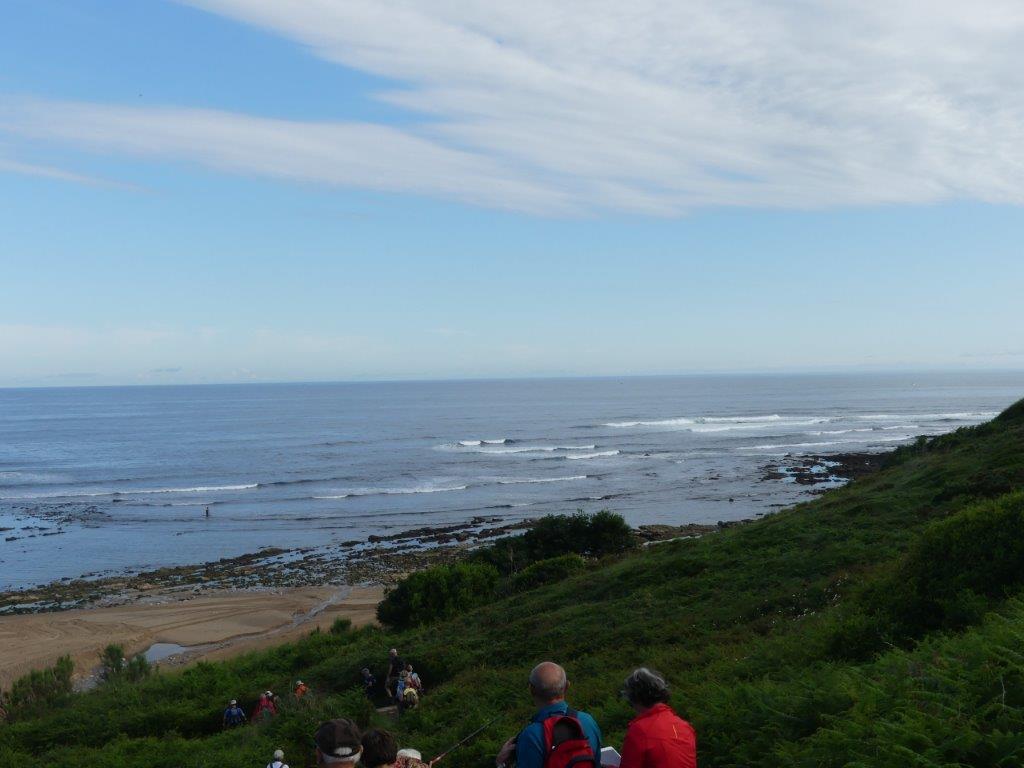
(657, 737)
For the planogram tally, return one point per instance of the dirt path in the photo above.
(221, 625)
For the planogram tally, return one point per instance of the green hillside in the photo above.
(876, 625)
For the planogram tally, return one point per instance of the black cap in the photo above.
(339, 740)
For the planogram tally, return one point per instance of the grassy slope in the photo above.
(738, 620)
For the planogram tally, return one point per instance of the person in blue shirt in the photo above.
(548, 685)
(233, 715)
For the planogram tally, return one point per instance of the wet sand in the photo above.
(216, 625)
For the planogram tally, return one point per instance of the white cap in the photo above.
(279, 754)
(233, 702)
(415, 754)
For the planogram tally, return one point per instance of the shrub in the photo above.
(946, 580)
(112, 661)
(546, 571)
(341, 626)
(438, 593)
(40, 688)
(603, 533)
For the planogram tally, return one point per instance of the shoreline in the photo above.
(223, 608)
(379, 561)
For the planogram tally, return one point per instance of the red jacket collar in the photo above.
(655, 710)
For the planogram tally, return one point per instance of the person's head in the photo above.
(232, 703)
(393, 652)
(408, 668)
(338, 743)
(279, 755)
(404, 674)
(299, 683)
(548, 683)
(644, 688)
(379, 749)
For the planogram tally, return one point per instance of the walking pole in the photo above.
(466, 739)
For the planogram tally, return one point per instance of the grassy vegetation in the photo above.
(877, 625)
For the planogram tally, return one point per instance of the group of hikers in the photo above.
(557, 735)
(402, 685)
(269, 704)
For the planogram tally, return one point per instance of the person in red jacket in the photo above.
(657, 737)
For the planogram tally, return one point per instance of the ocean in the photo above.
(105, 480)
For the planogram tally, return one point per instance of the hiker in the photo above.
(301, 689)
(414, 679)
(657, 737)
(369, 681)
(558, 735)
(265, 708)
(278, 761)
(410, 758)
(380, 750)
(338, 743)
(403, 679)
(395, 667)
(233, 715)
(406, 695)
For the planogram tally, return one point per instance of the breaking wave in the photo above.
(393, 491)
(598, 455)
(528, 480)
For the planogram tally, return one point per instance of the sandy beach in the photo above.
(214, 625)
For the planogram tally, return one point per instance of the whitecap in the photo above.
(394, 491)
(598, 455)
(527, 480)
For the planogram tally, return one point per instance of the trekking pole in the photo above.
(471, 736)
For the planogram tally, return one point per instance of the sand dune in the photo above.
(217, 625)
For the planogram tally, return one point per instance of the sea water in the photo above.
(104, 480)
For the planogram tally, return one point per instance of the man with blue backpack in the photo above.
(558, 736)
(233, 715)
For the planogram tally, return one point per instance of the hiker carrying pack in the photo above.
(566, 744)
(557, 736)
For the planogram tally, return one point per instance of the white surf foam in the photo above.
(953, 416)
(659, 423)
(728, 422)
(474, 443)
(393, 491)
(527, 480)
(598, 455)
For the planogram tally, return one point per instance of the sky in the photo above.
(263, 190)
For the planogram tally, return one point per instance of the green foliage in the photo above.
(112, 661)
(781, 639)
(341, 626)
(597, 535)
(437, 593)
(546, 571)
(40, 689)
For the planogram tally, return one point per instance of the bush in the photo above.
(546, 571)
(341, 626)
(592, 535)
(604, 533)
(946, 580)
(438, 593)
(112, 661)
(40, 688)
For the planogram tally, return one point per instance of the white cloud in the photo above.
(651, 107)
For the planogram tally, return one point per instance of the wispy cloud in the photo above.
(647, 106)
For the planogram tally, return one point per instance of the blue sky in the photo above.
(231, 190)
